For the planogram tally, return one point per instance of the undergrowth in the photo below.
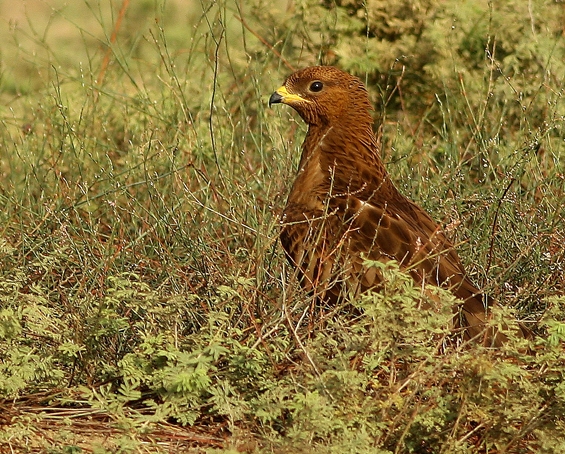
(145, 304)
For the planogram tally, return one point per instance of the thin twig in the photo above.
(217, 43)
(113, 37)
(495, 222)
(265, 43)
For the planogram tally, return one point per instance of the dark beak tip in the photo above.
(275, 99)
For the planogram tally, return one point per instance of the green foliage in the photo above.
(142, 288)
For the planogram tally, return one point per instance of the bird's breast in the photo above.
(310, 187)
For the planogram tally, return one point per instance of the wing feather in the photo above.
(330, 249)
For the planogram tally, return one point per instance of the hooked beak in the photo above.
(275, 98)
(282, 95)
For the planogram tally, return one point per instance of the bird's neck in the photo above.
(343, 158)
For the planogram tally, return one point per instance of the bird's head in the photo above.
(323, 95)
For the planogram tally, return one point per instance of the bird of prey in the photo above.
(343, 207)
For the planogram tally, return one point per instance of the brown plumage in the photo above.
(343, 205)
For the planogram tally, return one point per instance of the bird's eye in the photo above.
(316, 86)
